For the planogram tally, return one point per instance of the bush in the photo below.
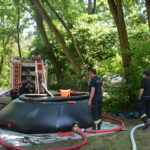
(72, 82)
(117, 98)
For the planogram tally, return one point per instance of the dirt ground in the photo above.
(114, 141)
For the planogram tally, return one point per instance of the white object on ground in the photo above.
(134, 147)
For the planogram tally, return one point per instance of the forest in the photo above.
(111, 36)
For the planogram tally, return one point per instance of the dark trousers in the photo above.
(144, 107)
(96, 108)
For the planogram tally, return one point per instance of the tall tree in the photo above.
(118, 15)
(3, 54)
(68, 30)
(18, 26)
(58, 35)
(91, 7)
(94, 7)
(6, 33)
(147, 4)
(45, 39)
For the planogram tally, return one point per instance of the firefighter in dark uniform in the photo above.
(95, 99)
(24, 88)
(144, 99)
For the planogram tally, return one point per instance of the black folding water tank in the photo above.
(43, 114)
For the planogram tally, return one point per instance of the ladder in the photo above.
(43, 73)
(40, 76)
(36, 77)
(17, 77)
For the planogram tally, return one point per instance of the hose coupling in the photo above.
(76, 127)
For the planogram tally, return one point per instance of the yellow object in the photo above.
(97, 121)
(144, 115)
(65, 93)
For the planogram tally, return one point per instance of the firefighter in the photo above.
(144, 99)
(95, 99)
(24, 88)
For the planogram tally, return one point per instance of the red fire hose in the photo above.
(108, 130)
(10, 147)
(75, 146)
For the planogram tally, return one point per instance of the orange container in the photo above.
(65, 93)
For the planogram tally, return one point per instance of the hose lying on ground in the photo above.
(108, 130)
(77, 130)
(132, 135)
(10, 147)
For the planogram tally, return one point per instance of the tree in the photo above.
(7, 32)
(147, 4)
(94, 7)
(117, 13)
(44, 36)
(68, 30)
(91, 7)
(58, 35)
(18, 26)
(5, 43)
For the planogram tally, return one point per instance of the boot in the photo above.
(146, 124)
(145, 120)
(97, 125)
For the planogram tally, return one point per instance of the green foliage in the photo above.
(71, 81)
(117, 98)
(96, 43)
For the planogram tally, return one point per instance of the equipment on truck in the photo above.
(27, 76)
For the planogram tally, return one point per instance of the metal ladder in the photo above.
(37, 77)
(43, 80)
(17, 76)
(43, 73)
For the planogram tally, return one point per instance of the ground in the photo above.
(115, 141)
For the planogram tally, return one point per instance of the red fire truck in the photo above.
(32, 71)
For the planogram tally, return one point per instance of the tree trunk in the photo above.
(5, 42)
(1, 64)
(68, 30)
(18, 27)
(94, 7)
(68, 18)
(113, 9)
(44, 36)
(89, 7)
(117, 13)
(147, 4)
(59, 37)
